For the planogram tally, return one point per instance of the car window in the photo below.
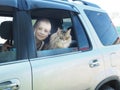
(81, 34)
(66, 23)
(62, 35)
(7, 47)
(103, 27)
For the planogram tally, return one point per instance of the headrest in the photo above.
(55, 24)
(6, 30)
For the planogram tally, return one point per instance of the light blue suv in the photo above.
(91, 62)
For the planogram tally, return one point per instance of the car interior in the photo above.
(58, 18)
(7, 34)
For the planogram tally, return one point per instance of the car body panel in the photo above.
(18, 72)
(78, 70)
(65, 72)
(9, 3)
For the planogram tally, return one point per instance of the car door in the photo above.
(109, 40)
(66, 68)
(15, 75)
(15, 70)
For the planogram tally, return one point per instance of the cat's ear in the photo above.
(68, 31)
(58, 31)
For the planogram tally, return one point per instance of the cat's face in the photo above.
(63, 35)
(60, 39)
(64, 38)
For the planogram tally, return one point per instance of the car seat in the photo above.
(6, 31)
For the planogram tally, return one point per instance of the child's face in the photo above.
(42, 30)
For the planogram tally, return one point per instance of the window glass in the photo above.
(83, 39)
(7, 48)
(103, 27)
(57, 28)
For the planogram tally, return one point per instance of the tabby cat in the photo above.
(60, 39)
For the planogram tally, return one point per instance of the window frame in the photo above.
(68, 50)
(23, 35)
(79, 28)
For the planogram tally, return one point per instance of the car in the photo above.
(91, 62)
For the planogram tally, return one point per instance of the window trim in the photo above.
(24, 35)
(77, 23)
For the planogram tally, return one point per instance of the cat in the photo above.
(60, 39)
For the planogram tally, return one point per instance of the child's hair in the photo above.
(41, 19)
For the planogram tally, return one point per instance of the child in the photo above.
(42, 29)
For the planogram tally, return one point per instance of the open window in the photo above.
(59, 19)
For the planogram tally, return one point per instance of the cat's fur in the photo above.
(60, 39)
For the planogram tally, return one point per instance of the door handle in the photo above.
(94, 63)
(10, 85)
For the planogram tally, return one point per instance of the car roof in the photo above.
(9, 3)
(34, 4)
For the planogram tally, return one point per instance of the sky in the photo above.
(112, 7)
(109, 5)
